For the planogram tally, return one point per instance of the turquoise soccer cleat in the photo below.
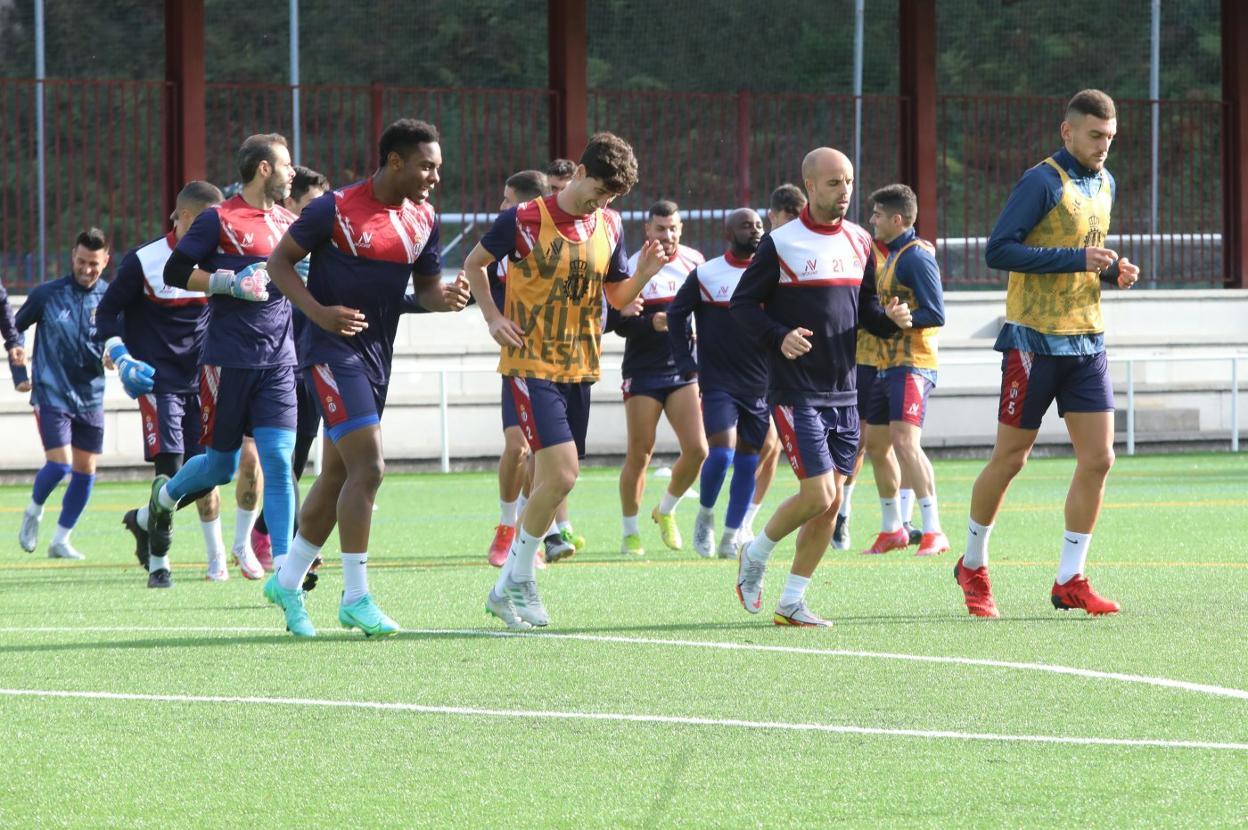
(290, 600)
(270, 590)
(366, 616)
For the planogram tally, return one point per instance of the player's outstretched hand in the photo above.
(1128, 273)
(899, 313)
(507, 332)
(137, 377)
(455, 295)
(1098, 259)
(795, 343)
(634, 308)
(651, 259)
(338, 319)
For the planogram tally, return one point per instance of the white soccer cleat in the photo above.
(63, 550)
(728, 546)
(799, 615)
(503, 608)
(527, 602)
(247, 562)
(750, 582)
(217, 571)
(704, 536)
(28, 536)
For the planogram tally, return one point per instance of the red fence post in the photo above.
(743, 148)
(917, 45)
(1235, 143)
(567, 33)
(184, 67)
(376, 101)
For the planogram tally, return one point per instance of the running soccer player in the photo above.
(732, 374)
(907, 374)
(810, 285)
(654, 387)
(153, 333)
(1050, 236)
(246, 373)
(559, 174)
(14, 342)
(367, 241)
(67, 389)
(565, 252)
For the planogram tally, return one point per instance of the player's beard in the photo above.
(276, 189)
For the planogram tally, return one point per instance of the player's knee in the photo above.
(1097, 462)
(368, 473)
(696, 452)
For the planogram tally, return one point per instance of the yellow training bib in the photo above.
(911, 347)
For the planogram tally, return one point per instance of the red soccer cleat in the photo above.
(501, 546)
(885, 542)
(932, 544)
(1077, 593)
(976, 589)
(262, 546)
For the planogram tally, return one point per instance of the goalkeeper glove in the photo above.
(250, 284)
(137, 377)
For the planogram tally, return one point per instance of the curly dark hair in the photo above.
(610, 159)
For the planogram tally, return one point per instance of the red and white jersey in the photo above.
(248, 231)
(812, 254)
(369, 229)
(664, 285)
(718, 278)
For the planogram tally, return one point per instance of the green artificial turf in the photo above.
(1167, 547)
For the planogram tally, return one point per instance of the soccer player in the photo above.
(732, 374)
(1050, 236)
(67, 389)
(153, 333)
(14, 342)
(654, 387)
(559, 174)
(367, 241)
(566, 252)
(810, 285)
(247, 366)
(907, 373)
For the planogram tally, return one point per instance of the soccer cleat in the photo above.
(290, 600)
(527, 602)
(668, 529)
(631, 546)
(840, 533)
(130, 522)
(503, 608)
(1077, 593)
(932, 544)
(976, 589)
(573, 538)
(704, 536)
(262, 546)
(915, 535)
(750, 581)
(745, 535)
(885, 542)
(160, 578)
(270, 590)
(63, 550)
(727, 546)
(557, 548)
(247, 563)
(799, 615)
(28, 535)
(366, 616)
(217, 572)
(310, 579)
(504, 535)
(159, 521)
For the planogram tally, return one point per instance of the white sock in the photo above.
(277, 562)
(212, 539)
(508, 512)
(794, 590)
(668, 503)
(747, 521)
(846, 497)
(907, 506)
(519, 564)
(931, 516)
(157, 563)
(297, 563)
(706, 514)
(354, 577)
(520, 503)
(166, 501)
(762, 546)
(1074, 555)
(244, 521)
(729, 536)
(890, 516)
(630, 526)
(976, 545)
(142, 516)
(61, 534)
(554, 528)
(564, 525)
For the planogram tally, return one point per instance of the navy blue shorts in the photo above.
(346, 398)
(170, 424)
(654, 386)
(234, 402)
(510, 416)
(818, 439)
(866, 387)
(550, 413)
(723, 410)
(1030, 382)
(308, 418)
(900, 394)
(81, 430)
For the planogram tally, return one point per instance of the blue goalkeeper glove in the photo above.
(137, 377)
(302, 267)
(251, 283)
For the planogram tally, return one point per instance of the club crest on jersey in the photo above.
(577, 285)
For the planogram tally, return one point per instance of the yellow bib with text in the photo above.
(911, 347)
(870, 350)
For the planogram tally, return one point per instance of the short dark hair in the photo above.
(664, 207)
(529, 184)
(93, 239)
(610, 159)
(899, 200)
(305, 179)
(1092, 102)
(788, 198)
(199, 194)
(403, 136)
(561, 168)
(255, 149)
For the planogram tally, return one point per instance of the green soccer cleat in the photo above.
(668, 529)
(631, 546)
(270, 590)
(366, 616)
(159, 521)
(573, 538)
(290, 600)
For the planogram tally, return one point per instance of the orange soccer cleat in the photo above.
(976, 589)
(885, 542)
(1077, 593)
(504, 535)
(932, 544)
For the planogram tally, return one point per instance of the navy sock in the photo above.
(76, 495)
(49, 475)
(741, 491)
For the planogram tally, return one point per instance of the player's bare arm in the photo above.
(336, 319)
(505, 332)
(435, 295)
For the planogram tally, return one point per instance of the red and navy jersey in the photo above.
(646, 351)
(728, 359)
(160, 324)
(819, 277)
(231, 236)
(364, 253)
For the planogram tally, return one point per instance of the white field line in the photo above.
(469, 711)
